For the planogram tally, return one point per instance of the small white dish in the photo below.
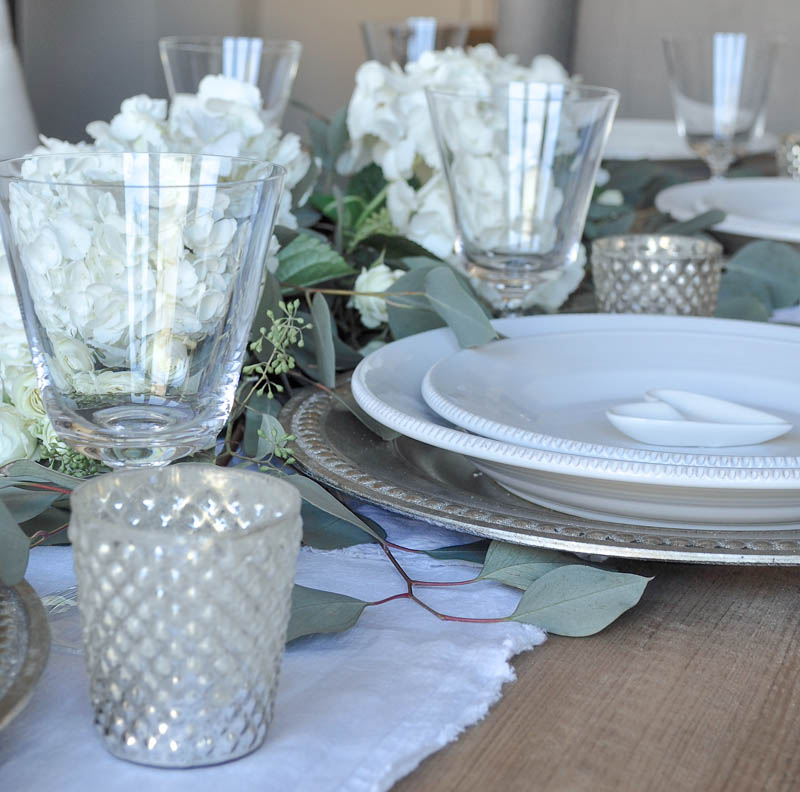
(682, 418)
(658, 139)
(767, 208)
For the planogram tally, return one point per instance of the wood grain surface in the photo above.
(697, 688)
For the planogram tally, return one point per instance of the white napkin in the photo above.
(356, 711)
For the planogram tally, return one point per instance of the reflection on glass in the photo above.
(719, 87)
(407, 41)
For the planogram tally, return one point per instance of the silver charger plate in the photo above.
(24, 647)
(446, 489)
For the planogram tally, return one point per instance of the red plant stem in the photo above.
(400, 547)
(402, 595)
(40, 536)
(36, 485)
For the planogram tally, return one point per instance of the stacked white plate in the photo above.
(531, 412)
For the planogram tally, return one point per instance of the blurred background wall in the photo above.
(82, 57)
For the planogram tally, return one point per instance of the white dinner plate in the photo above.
(553, 390)
(767, 208)
(728, 491)
(658, 139)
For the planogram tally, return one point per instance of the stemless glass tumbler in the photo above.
(138, 277)
(405, 42)
(520, 165)
(719, 86)
(269, 64)
(185, 577)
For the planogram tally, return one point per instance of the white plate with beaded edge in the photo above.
(707, 491)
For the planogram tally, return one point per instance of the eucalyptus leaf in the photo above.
(578, 600)
(14, 549)
(519, 566)
(398, 247)
(269, 432)
(417, 262)
(323, 341)
(337, 136)
(384, 432)
(26, 470)
(258, 406)
(49, 521)
(315, 611)
(325, 531)
(25, 504)
(694, 225)
(773, 268)
(744, 307)
(302, 187)
(322, 499)
(308, 260)
(474, 552)
(462, 312)
(270, 297)
(411, 313)
(318, 131)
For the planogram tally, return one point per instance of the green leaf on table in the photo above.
(320, 497)
(323, 341)
(25, 504)
(300, 190)
(519, 566)
(742, 296)
(410, 314)
(257, 409)
(315, 611)
(384, 432)
(27, 470)
(337, 135)
(14, 549)
(270, 297)
(694, 225)
(398, 247)
(308, 260)
(772, 267)
(367, 183)
(326, 531)
(474, 552)
(53, 522)
(578, 600)
(462, 312)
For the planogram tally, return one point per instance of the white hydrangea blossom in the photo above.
(73, 243)
(389, 124)
(378, 278)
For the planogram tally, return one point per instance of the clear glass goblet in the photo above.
(405, 42)
(719, 85)
(138, 277)
(520, 165)
(269, 64)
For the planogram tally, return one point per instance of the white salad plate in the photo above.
(588, 363)
(764, 208)
(564, 392)
(658, 139)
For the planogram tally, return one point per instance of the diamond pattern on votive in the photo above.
(637, 284)
(184, 631)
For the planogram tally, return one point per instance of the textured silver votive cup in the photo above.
(656, 274)
(184, 586)
(787, 156)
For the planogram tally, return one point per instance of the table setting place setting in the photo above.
(304, 439)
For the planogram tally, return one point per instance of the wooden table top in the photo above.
(696, 688)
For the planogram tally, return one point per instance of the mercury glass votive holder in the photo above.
(787, 156)
(656, 274)
(185, 577)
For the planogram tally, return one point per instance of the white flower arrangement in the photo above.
(389, 124)
(72, 250)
